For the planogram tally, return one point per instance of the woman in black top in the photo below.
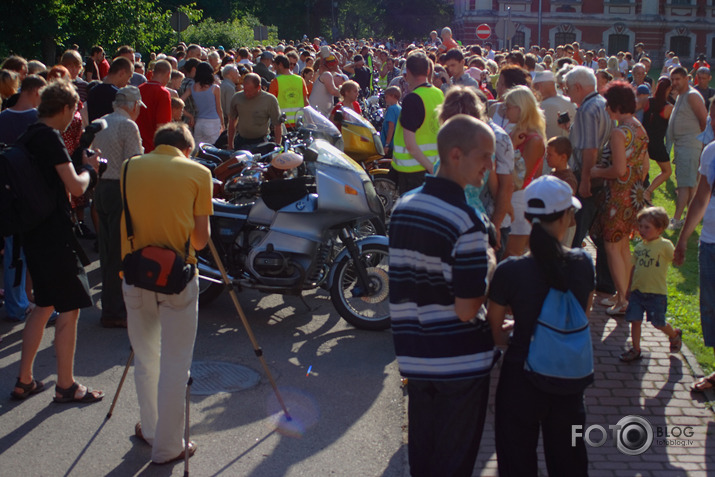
(522, 283)
(655, 122)
(59, 279)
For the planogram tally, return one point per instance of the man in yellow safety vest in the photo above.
(416, 134)
(290, 89)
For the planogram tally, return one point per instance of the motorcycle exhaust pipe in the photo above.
(211, 274)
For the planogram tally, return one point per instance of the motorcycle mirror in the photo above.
(283, 118)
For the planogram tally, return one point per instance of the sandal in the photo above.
(191, 446)
(139, 435)
(631, 355)
(676, 342)
(68, 395)
(703, 384)
(609, 301)
(28, 390)
(617, 309)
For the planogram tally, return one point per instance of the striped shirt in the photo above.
(591, 129)
(438, 251)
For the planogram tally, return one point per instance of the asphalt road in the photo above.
(348, 411)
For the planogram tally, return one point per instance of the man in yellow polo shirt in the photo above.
(416, 134)
(169, 200)
(290, 89)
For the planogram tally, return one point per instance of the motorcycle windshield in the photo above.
(351, 117)
(313, 121)
(334, 157)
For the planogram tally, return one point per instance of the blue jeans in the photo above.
(654, 305)
(706, 257)
(16, 300)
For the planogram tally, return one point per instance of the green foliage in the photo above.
(43, 28)
(229, 34)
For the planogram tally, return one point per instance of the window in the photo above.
(563, 38)
(617, 42)
(680, 2)
(680, 45)
(519, 39)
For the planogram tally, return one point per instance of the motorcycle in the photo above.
(300, 234)
(362, 143)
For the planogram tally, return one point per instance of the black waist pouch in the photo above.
(158, 269)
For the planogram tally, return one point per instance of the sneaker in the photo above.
(676, 342)
(675, 224)
(630, 355)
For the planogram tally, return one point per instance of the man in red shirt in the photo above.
(158, 104)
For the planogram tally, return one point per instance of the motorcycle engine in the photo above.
(272, 264)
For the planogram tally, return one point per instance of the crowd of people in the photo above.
(515, 157)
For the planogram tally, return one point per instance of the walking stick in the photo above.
(121, 382)
(257, 349)
(186, 428)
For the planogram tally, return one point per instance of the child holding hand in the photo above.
(648, 289)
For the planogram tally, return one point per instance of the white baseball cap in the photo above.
(547, 195)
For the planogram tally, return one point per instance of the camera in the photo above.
(564, 118)
(85, 141)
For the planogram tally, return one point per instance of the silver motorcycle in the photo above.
(302, 233)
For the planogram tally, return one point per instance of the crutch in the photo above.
(121, 383)
(186, 428)
(257, 349)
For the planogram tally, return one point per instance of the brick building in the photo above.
(685, 26)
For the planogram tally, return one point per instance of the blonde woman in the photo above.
(528, 137)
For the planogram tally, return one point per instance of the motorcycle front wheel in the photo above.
(208, 290)
(387, 193)
(370, 309)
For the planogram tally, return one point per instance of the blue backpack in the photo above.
(560, 359)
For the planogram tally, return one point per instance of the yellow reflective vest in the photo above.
(426, 135)
(290, 96)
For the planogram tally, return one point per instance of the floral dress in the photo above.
(624, 197)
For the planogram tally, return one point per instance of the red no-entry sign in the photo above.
(484, 31)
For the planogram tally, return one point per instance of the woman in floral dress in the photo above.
(625, 194)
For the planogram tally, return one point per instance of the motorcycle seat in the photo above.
(225, 208)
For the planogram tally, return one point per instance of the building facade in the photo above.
(686, 27)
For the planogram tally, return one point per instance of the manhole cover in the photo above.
(211, 377)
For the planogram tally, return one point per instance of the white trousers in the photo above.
(162, 331)
(207, 130)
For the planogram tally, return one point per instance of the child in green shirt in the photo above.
(648, 289)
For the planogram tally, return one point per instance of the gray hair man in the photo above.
(589, 135)
(119, 141)
(231, 78)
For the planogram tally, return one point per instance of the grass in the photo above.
(683, 282)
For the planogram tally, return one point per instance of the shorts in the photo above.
(706, 257)
(653, 304)
(687, 162)
(520, 226)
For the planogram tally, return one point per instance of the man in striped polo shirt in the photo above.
(439, 264)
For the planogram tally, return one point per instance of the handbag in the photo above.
(154, 268)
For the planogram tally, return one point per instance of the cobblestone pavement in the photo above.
(656, 388)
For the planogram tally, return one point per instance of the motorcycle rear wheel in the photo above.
(371, 311)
